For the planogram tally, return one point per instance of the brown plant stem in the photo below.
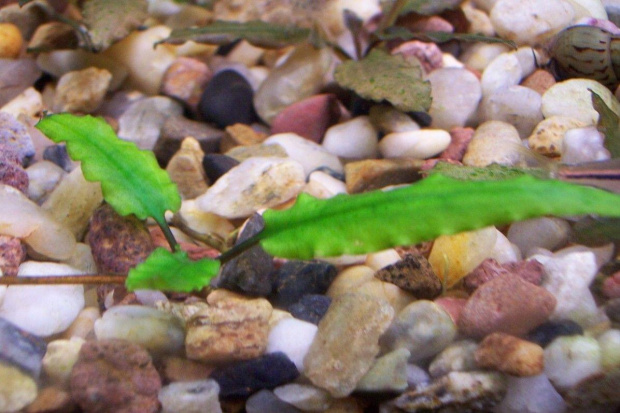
(64, 279)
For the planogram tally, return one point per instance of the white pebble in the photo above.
(388, 119)
(60, 356)
(517, 105)
(456, 94)
(610, 349)
(504, 71)
(304, 396)
(584, 145)
(293, 337)
(380, 259)
(532, 395)
(479, 55)
(322, 185)
(421, 144)
(43, 176)
(356, 138)
(494, 142)
(570, 359)
(309, 154)
(546, 232)
(190, 397)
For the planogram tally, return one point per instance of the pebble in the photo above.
(347, 342)
(371, 174)
(549, 233)
(453, 306)
(502, 72)
(294, 279)
(11, 41)
(420, 144)
(459, 391)
(176, 129)
(510, 355)
(21, 349)
(12, 254)
(309, 154)
(493, 142)
(413, 274)
(18, 389)
(118, 243)
(190, 397)
(28, 103)
(22, 74)
(309, 118)
(265, 401)
(59, 360)
(531, 271)
(428, 54)
(584, 145)
(570, 359)
(14, 134)
(534, 394)
(51, 399)
(310, 308)
(234, 328)
(81, 91)
(506, 304)
(456, 93)
(612, 309)
(83, 324)
(243, 378)
(181, 369)
(611, 286)
(43, 176)
(254, 184)
(458, 356)
(43, 310)
(185, 79)
(598, 393)
(354, 139)
(517, 105)
(292, 337)
(323, 185)
(241, 153)
(227, 100)
(539, 81)
(304, 397)
(115, 376)
(387, 374)
(609, 342)
(158, 332)
(186, 171)
(479, 55)
(387, 119)
(529, 22)
(240, 134)
(143, 121)
(216, 165)
(58, 155)
(11, 171)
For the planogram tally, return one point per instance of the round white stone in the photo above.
(190, 397)
(421, 144)
(518, 105)
(356, 138)
(309, 154)
(456, 94)
(584, 145)
(293, 337)
(570, 359)
(546, 232)
(503, 71)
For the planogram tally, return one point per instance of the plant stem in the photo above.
(174, 245)
(64, 279)
(239, 248)
(392, 14)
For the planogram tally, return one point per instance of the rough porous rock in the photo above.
(539, 81)
(488, 269)
(81, 91)
(11, 171)
(548, 136)
(510, 355)
(506, 304)
(12, 253)
(228, 99)
(347, 342)
(414, 274)
(21, 349)
(115, 376)
(429, 54)
(459, 139)
(185, 79)
(14, 134)
(294, 279)
(596, 391)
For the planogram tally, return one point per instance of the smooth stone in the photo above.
(43, 176)
(378, 260)
(58, 155)
(28, 103)
(531, 271)
(501, 73)
(493, 142)
(81, 91)
(394, 295)
(533, 394)
(185, 79)
(190, 397)
(479, 55)
(201, 225)
(83, 324)
(243, 135)
(570, 359)
(540, 81)
(292, 337)
(228, 99)
(309, 118)
(13, 133)
(22, 72)
(309, 154)
(511, 355)
(387, 119)
(528, 22)
(254, 184)
(323, 185)
(143, 121)
(506, 304)
(304, 396)
(265, 401)
(517, 105)
(547, 232)
(413, 274)
(180, 369)
(310, 307)
(51, 399)
(241, 153)
(456, 94)
(21, 349)
(387, 374)
(429, 55)
(354, 139)
(370, 174)
(609, 342)
(347, 342)
(59, 360)
(458, 356)
(294, 279)
(18, 389)
(417, 376)
(479, 21)
(216, 165)
(420, 144)
(584, 145)
(186, 171)
(43, 310)
(243, 378)
(156, 331)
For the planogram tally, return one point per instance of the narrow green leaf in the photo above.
(257, 32)
(131, 180)
(429, 7)
(491, 172)
(381, 76)
(399, 32)
(109, 21)
(357, 224)
(608, 125)
(168, 271)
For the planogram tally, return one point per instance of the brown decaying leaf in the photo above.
(109, 21)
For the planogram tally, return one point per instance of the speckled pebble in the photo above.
(414, 274)
(15, 134)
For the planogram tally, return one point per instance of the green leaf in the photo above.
(381, 76)
(109, 21)
(257, 32)
(428, 7)
(402, 33)
(131, 180)
(608, 125)
(357, 224)
(168, 271)
(491, 172)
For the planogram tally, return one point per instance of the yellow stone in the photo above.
(11, 41)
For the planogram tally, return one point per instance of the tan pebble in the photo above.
(511, 355)
(11, 41)
(540, 81)
(548, 135)
(83, 325)
(240, 135)
(181, 369)
(51, 399)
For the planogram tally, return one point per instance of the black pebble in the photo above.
(216, 165)
(228, 99)
(294, 279)
(311, 308)
(21, 349)
(58, 155)
(549, 331)
(246, 377)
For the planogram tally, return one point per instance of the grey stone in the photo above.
(20, 348)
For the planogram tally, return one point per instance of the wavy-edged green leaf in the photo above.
(257, 32)
(131, 180)
(168, 271)
(491, 172)
(437, 205)
(402, 33)
(381, 76)
(608, 125)
(109, 21)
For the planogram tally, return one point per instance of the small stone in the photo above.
(23, 72)
(549, 233)
(387, 374)
(58, 155)
(457, 390)
(493, 142)
(388, 119)
(414, 274)
(458, 356)
(584, 145)
(228, 99)
(531, 394)
(294, 279)
(611, 286)
(12, 254)
(185, 169)
(506, 304)
(83, 324)
(243, 378)
(265, 401)
(81, 91)
(354, 139)
(21, 349)
(453, 306)
(371, 174)
(539, 81)
(181, 369)
(216, 165)
(304, 396)
(310, 308)
(545, 333)
(118, 243)
(308, 118)
(11, 41)
(459, 139)
(59, 359)
(185, 79)
(51, 399)
(11, 171)
(240, 134)
(254, 184)
(429, 55)
(43, 176)
(241, 153)
(421, 144)
(324, 185)
(143, 121)
(518, 105)
(190, 397)
(28, 103)
(612, 309)
(14, 134)
(510, 355)
(115, 376)
(347, 342)
(456, 93)
(18, 389)
(235, 328)
(309, 154)
(570, 359)
(531, 271)
(610, 349)
(417, 376)
(502, 72)
(598, 392)
(292, 337)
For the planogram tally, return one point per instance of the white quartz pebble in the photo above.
(421, 144)
(504, 71)
(356, 138)
(456, 94)
(59, 359)
(322, 185)
(479, 55)
(309, 154)
(190, 397)
(610, 349)
(546, 232)
(518, 105)
(43, 176)
(570, 359)
(533, 394)
(293, 337)
(584, 145)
